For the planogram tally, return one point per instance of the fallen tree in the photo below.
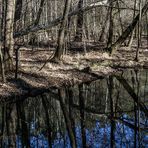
(127, 31)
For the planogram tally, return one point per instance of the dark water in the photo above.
(110, 112)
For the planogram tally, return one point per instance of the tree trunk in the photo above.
(132, 33)
(139, 33)
(79, 28)
(60, 42)
(105, 27)
(18, 10)
(37, 20)
(110, 38)
(2, 70)
(8, 33)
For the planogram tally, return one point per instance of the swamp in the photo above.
(73, 73)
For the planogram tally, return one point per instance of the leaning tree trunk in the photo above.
(60, 42)
(79, 31)
(8, 33)
(128, 30)
(67, 120)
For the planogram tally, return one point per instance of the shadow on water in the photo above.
(105, 113)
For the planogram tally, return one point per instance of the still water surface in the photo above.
(110, 112)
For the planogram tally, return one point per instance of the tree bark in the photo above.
(79, 28)
(132, 33)
(105, 27)
(61, 35)
(2, 70)
(139, 33)
(37, 20)
(110, 37)
(8, 33)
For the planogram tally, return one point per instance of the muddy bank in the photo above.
(75, 68)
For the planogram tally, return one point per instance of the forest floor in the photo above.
(76, 67)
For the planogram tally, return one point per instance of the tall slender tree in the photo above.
(8, 33)
(60, 43)
(79, 27)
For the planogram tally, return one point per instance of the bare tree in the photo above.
(128, 30)
(60, 42)
(8, 33)
(79, 27)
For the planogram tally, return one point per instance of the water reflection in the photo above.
(106, 113)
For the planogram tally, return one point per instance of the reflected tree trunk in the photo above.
(24, 128)
(47, 120)
(71, 112)
(135, 130)
(131, 92)
(113, 124)
(11, 124)
(67, 120)
(3, 116)
(82, 114)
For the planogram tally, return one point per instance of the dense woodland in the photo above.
(47, 22)
(50, 51)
